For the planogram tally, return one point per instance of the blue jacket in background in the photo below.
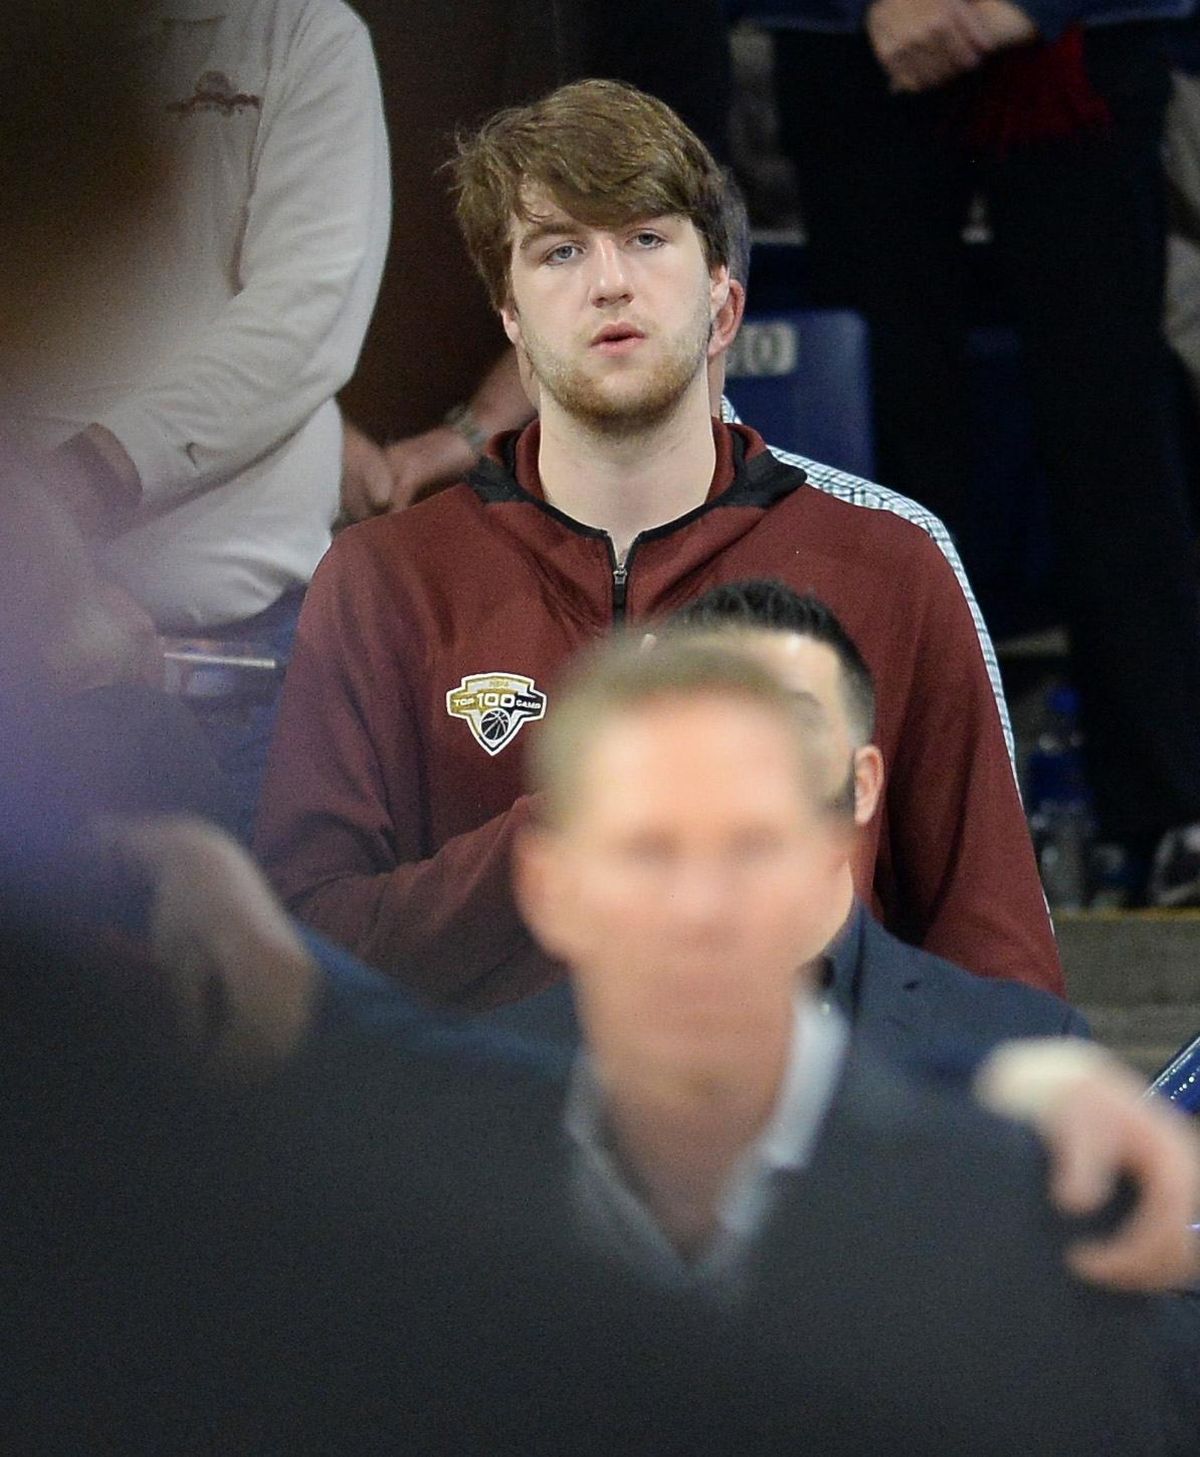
(913, 1009)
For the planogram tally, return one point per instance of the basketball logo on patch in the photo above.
(495, 707)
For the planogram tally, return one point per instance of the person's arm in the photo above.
(922, 44)
(342, 820)
(1092, 1114)
(239, 980)
(436, 457)
(93, 476)
(307, 274)
(366, 487)
(1006, 24)
(378, 478)
(965, 885)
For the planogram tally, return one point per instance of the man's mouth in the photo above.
(617, 338)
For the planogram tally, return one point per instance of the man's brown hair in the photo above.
(605, 152)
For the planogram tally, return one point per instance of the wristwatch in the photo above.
(461, 419)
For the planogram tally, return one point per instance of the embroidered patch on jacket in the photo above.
(215, 92)
(496, 706)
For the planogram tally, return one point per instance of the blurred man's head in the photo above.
(77, 158)
(597, 221)
(76, 164)
(688, 858)
(801, 641)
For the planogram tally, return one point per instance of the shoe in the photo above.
(1175, 871)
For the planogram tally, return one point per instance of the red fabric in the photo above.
(1034, 93)
(387, 826)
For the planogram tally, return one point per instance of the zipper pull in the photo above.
(620, 578)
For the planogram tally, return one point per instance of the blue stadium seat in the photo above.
(802, 379)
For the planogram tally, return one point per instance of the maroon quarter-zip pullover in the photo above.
(431, 644)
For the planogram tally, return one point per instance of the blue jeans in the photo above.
(239, 726)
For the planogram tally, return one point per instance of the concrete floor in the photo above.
(1136, 976)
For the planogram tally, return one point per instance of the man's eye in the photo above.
(563, 253)
(648, 240)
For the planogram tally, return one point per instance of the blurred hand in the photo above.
(366, 479)
(1005, 24)
(418, 463)
(108, 637)
(243, 985)
(922, 44)
(376, 479)
(1099, 1130)
(1098, 1126)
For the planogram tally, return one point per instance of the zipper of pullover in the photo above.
(620, 587)
(620, 578)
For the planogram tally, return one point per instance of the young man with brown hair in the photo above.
(431, 640)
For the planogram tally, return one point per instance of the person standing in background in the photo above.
(195, 434)
(895, 114)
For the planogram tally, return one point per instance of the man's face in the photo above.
(692, 880)
(614, 324)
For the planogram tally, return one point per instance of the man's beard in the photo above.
(607, 411)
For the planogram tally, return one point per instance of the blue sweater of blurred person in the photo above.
(1183, 45)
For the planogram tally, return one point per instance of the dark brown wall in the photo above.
(450, 64)
(443, 66)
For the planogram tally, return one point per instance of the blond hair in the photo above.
(623, 677)
(607, 153)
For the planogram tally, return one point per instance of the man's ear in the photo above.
(729, 304)
(511, 320)
(542, 897)
(868, 783)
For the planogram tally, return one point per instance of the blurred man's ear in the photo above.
(541, 891)
(868, 783)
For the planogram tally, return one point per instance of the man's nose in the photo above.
(698, 895)
(609, 282)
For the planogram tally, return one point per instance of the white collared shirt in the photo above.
(614, 1216)
(235, 313)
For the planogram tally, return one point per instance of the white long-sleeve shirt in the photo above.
(241, 305)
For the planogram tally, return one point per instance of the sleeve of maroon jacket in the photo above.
(341, 818)
(955, 819)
